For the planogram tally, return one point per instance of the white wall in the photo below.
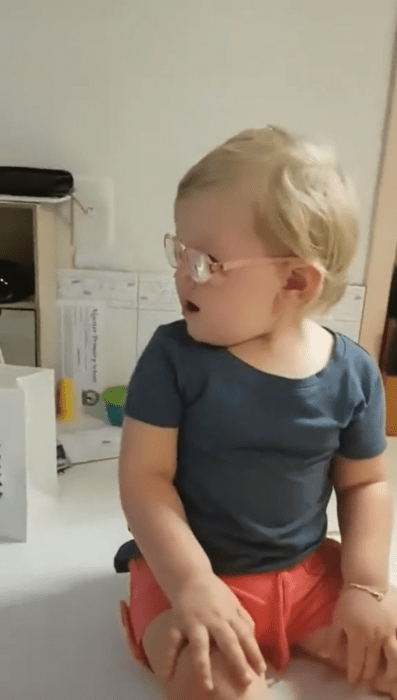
(138, 90)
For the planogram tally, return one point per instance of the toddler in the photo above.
(240, 420)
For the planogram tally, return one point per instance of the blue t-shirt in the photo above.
(254, 449)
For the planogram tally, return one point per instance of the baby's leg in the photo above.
(184, 682)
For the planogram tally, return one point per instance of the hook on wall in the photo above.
(81, 206)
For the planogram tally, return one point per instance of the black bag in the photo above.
(35, 182)
(127, 551)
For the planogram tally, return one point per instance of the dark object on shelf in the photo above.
(16, 283)
(35, 182)
(63, 461)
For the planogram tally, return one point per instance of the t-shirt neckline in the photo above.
(290, 382)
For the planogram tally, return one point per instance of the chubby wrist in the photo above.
(375, 592)
(195, 579)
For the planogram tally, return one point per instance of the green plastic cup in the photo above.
(115, 398)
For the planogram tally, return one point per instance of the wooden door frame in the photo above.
(383, 239)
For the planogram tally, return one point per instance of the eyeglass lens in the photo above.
(197, 264)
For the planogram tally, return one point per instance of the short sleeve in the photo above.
(365, 436)
(153, 396)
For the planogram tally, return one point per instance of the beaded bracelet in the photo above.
(375, 594)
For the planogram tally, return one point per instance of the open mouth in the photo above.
(189, 306)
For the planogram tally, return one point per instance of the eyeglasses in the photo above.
(200, 266)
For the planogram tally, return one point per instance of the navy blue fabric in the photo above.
(254, 449)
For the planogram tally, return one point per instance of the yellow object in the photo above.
(66, 406)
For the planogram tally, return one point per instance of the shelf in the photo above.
(28, 304)
(28, 238)
(11, 199)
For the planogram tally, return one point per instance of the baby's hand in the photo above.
(207, 609)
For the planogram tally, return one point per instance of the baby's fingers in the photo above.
(230, 646)
(175, 639)
(200, 647)
(251, 649)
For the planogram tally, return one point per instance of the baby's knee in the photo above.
(185, 682)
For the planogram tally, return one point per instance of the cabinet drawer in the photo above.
(17, 337)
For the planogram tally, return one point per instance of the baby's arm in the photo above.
(204, 605)
(154, 511)
(365, 514)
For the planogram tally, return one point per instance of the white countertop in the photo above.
(61, 638)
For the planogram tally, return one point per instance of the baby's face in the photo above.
(237, 305)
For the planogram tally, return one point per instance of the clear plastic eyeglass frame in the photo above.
(200, 266)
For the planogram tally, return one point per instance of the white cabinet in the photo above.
(17, 337)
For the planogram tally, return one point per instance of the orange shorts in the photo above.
(285, 605)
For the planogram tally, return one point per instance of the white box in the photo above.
(27, 444)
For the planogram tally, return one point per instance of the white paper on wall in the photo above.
(82, 348)
(114, 295)
(98, 284)
(97, 349)
(148, 321)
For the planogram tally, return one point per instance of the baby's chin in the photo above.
(216, 339)
(200, 336)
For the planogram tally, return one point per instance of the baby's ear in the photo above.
(296, 280)
(305, 283)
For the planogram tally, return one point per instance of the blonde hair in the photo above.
(302, 201)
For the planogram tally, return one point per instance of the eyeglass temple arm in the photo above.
(243, 263)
